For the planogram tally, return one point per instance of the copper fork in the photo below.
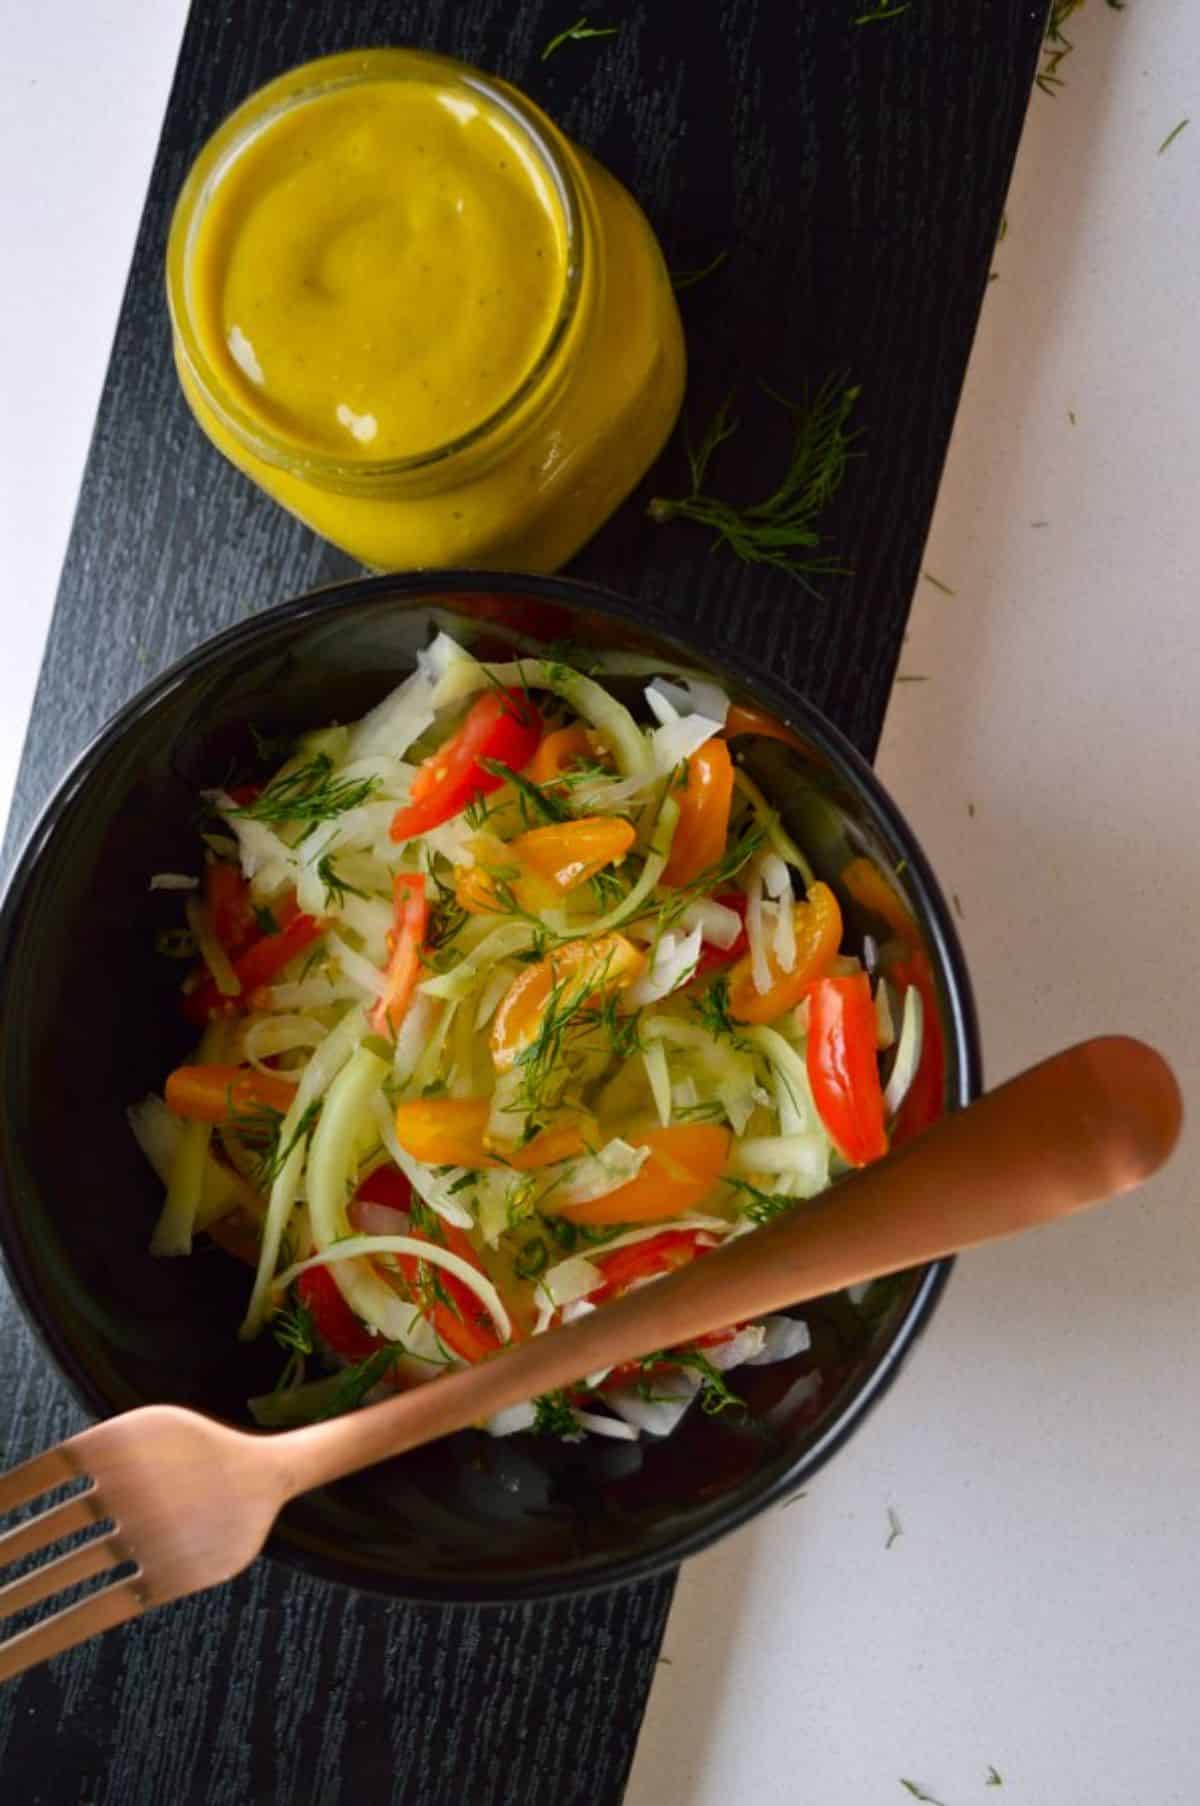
(189, 1501)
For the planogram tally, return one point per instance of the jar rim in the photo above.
(256, 114)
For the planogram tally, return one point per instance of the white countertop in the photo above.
(1040, 1611)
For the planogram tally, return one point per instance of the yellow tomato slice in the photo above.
(581, 972)
(452, 1131)
(685, 1163)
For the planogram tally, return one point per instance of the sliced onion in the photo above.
(595, 1175)
(760, 969)
(266, 1036)
(173, 881)
(659, 704)
(358, 970)
(570, 1280)
(741, 1348)
(658, 1073)
(885, 1026)
(908, 1051)
(601, 1425)
(783, 1337)
(676, 741)
(311, 994)
(219, 964)
(719, 925)
(672, 964)
(694, 696)
(660, 1415)
(393, 724)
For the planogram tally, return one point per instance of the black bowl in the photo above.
(90, 1023)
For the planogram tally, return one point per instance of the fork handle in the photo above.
(1071, 1132)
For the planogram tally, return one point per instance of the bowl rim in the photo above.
(795, 710)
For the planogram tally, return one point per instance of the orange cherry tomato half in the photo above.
(818, 928)
(585, 970)
(685, 1163)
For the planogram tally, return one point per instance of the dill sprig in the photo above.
(553, 1416)
(918, 1792)
(713, 878)
(716, 1394)
(535, 803)
(308, 796)
(712, 1007)
(885, 10)
(260, 1131)
(292, 1328)
(564, 1015)
(533, 1259)
(578, 34)
(1170, 138)
(685, 279)
(763, 1206)
(782, 529)
(337, 888)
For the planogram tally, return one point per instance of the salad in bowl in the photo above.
(512, 995)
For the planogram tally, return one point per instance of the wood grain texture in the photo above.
(856, 175)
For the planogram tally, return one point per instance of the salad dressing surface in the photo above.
(379, 269)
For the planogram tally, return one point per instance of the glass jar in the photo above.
(407, 307)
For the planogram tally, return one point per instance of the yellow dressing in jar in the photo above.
(410, 310)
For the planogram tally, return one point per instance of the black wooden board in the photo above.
(856, 173)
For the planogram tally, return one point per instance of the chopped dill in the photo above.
(895, 1528)
(1171, 136)
(937, 583)
(308, 796)
(260, 1131)
(781, 530)
(337, 888)
(569, 1010)
(533, 800)
(607, 889)
(624, 1032)
(553, 1416)
(883, 11)
(712, 1007)
(478, 812)
(763, 1206)
(532, 1260)
(578, 34)
(918, 1793)
(712, 1111)
(994, 1777)
(1057, 46)
(716, 1394)
(265, 919)
(292, 1328)
(685, 279)
(714, 877)
(313, 961)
